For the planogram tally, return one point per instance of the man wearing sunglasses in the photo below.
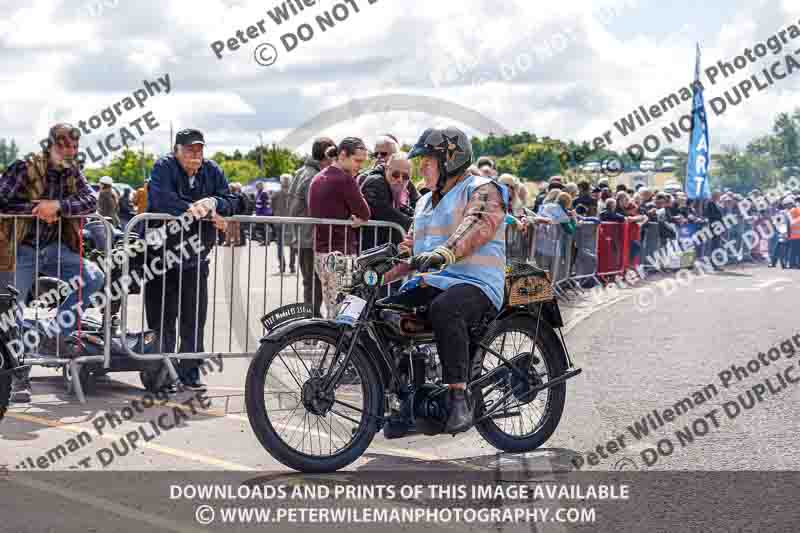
(50, 186)
(386, 190)
(385, 146)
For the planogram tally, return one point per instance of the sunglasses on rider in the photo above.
(382, 154)
(396, 174)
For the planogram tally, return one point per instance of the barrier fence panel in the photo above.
(519, 244)
(651, 244)
(611, 248)
(545, 241)
(68, 306)
(220, 302)
(585, 264)
(562, 262)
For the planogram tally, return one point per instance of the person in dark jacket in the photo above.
(385, 188)
(713, 213)
(303, 234)
(185, 184)
(107, 200)
(283, 232)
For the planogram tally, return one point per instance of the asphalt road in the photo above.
(641, 349)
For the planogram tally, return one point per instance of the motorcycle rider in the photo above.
(458, 232)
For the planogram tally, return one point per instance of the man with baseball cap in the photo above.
(186, 183)
(51, 187)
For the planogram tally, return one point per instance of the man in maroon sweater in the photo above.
(334, 193)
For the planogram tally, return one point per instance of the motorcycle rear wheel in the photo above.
(503, 430)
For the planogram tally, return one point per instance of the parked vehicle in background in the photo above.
(669, 162)
(647, 165)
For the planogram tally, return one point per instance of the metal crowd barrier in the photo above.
(68, 364)
(241, 286)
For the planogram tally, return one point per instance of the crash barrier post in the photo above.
(545, 244)
(583, 264)
(519, 244)
(33, 331)
(235, 287)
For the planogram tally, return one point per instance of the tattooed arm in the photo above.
(484, 213)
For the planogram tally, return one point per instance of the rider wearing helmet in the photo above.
(458, 233)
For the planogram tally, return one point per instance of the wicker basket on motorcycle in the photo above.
(527, 284)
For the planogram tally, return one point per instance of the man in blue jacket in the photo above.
(185, 184)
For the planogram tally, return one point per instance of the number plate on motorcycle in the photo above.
(350, 309)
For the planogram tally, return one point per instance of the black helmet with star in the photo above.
(450, 146)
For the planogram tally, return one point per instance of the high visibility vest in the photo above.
(794, 228)
(433, 226)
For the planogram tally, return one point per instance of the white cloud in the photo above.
(562, 69)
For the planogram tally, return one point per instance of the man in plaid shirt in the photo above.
(49, 186)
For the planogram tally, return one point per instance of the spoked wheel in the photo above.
(296, 421)
(527, 417)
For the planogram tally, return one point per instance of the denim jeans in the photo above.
(63, 264)
(52, 261)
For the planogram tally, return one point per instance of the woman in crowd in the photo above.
(334, 193)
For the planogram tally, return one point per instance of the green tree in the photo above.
(277, 161)
(787, 141)
(538, 162)
(243, 171)
(743, 171)
(8, 152)
(126, 167)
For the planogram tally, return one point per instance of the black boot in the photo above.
(460, 418)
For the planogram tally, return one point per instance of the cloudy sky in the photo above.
(566, 69)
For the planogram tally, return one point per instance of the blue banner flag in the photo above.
(699, 156)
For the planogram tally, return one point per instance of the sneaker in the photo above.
(21, 391)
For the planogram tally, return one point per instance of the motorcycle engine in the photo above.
(430, 412)
(419, 364)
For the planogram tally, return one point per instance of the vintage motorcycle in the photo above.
(318, 390)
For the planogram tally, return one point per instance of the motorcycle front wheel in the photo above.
(295, 421)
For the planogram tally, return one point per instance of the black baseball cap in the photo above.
(187, 137)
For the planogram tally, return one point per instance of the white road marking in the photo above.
(771, 282)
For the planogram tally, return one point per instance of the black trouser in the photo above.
(312, 287)
(193, 308)
(779, 252)
(716, 244)
(451, 312)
